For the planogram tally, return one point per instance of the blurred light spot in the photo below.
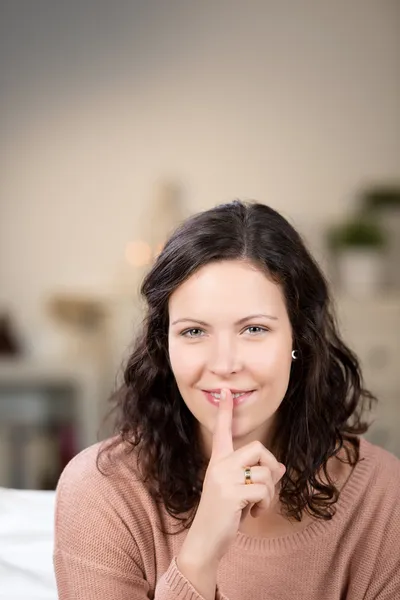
(158, 250)
(138, 253)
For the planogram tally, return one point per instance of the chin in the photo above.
(245, 432)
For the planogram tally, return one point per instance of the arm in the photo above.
(96, 556)
(385, 581)
(79, 580)
(202, 574)
(174, 580)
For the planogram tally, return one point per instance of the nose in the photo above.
(224, 358)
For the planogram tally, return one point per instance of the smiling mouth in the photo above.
(235, 394)
(238, 396)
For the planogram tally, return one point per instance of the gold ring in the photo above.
(247, 476)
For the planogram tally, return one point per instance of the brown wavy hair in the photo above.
(322, 411)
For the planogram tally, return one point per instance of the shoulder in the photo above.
(89, 459)
(374, 519)
(101, 501)
(374, 486)
(384, 466)
(107, 466)
(106, 473)
(370, 489)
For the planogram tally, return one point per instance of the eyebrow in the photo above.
(240, 322)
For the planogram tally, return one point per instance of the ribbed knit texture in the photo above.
(109, 544)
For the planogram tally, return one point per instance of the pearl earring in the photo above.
(294, 354)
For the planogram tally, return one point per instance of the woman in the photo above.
(238, 471)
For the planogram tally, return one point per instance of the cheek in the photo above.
(186, 362)
(271, 355)
(272, 362)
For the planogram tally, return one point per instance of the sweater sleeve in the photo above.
(173, 582)
(385, 580)
(97, 554)
(384, 535)
(79, 580)
(385, 583)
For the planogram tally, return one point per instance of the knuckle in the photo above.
(258, 446)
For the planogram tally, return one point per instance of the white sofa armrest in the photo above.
(26, 545)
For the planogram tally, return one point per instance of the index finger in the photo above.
(222, 443)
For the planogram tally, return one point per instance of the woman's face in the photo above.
(229, 328)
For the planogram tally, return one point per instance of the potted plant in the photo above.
(381, 198)
(382, 203)
(358, 245)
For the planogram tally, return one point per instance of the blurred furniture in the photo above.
(26, 545)
(371, 328)
(48, 413)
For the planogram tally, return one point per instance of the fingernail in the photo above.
(223, 394)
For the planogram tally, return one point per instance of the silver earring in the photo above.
(294, 354)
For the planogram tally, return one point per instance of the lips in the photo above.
(218, 391)
(244, 396)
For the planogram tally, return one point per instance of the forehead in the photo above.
(227, 290)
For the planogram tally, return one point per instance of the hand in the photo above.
(226, 499)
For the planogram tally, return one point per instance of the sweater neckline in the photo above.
(292, 542)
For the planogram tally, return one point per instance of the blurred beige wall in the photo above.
(294, 103)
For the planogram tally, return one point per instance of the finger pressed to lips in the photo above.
(222, 437)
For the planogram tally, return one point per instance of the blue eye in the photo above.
(192, 333)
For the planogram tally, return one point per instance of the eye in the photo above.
(194, 332)
(256, 330)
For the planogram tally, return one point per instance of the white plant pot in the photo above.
(360, 272)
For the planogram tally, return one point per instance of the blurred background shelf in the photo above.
(371, 327)
(48, 413)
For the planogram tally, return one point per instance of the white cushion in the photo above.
(26, 545)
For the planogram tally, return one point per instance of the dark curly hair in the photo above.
(322, 411)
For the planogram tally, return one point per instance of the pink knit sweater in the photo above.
(109, 546)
